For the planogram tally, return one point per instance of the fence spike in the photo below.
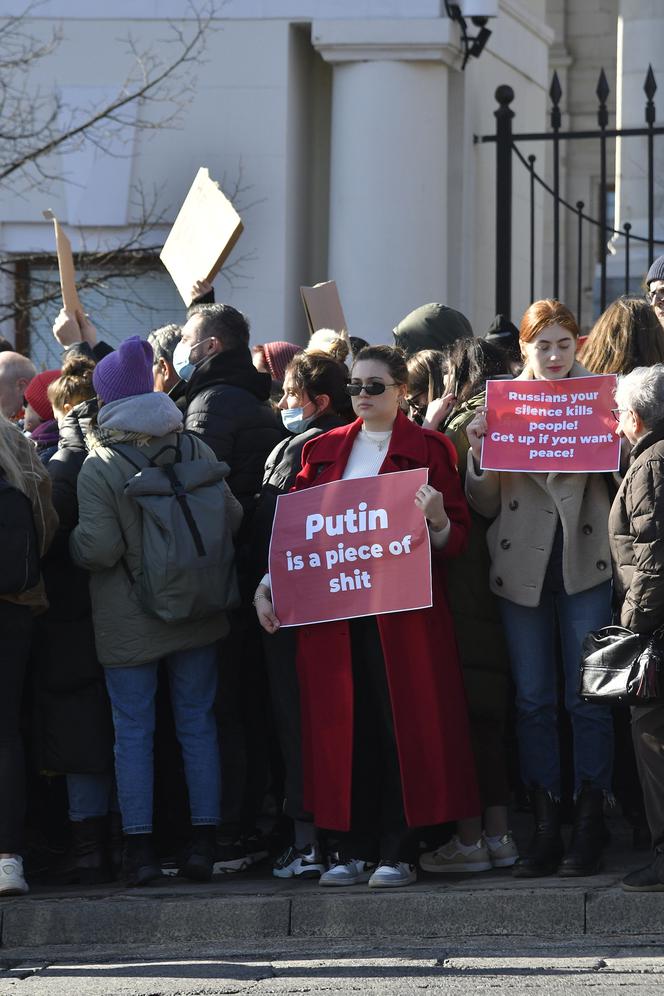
(602, 92)
(650, 85)
(555, 90)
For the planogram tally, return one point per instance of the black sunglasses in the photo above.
(374, 388)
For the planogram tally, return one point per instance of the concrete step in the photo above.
(254, 906)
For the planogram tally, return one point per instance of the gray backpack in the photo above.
(188, 558)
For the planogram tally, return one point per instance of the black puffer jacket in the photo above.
(636, 535)
(281, 468)
(227, 405)
(76, 732)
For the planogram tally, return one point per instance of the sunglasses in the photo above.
(374, 388)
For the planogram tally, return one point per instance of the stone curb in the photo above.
(558, 913)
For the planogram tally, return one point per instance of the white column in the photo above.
(640, 42)
(388, 167)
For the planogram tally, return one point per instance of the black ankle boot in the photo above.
(589, 834)
(545, 850)
(115, 843)
(648, 879)
(140, 865)
(87, 861)
(198, 859)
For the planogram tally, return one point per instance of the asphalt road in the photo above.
(514, 966)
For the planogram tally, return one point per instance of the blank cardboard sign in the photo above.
(203, 235)
(70, 301)
(322, 306)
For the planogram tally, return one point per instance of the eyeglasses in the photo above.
(373, 388)
(617, 412)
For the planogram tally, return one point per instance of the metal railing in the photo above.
(506, 141)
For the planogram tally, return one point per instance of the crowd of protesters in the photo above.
(157, 719)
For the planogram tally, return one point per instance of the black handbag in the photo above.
(620, 666)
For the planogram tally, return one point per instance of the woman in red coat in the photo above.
(384, 722)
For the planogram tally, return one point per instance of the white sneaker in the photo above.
(391, 874)
(505, 853)
(12, 879)
(299, 864)
(352, 872)
(451, 859)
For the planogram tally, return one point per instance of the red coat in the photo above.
(423, 673)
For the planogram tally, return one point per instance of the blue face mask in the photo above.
(294, 421)
(182, 365)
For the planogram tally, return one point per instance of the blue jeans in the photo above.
(192, 676)
(531, 641)
(90, 796)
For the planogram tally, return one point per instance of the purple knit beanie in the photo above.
(126, 372)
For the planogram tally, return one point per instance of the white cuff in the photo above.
(440, 537)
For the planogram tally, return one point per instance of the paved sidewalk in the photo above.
(253, 906)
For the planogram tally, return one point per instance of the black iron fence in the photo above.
(506, 148)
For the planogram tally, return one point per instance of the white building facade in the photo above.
(349, 126)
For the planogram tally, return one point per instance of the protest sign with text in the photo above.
(350, 548)
(551, 426)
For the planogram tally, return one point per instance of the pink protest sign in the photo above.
(350, 548)
(549, 426)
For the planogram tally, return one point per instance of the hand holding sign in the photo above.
(476, 430)
(431, 503)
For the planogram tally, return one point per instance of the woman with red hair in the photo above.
(551, 568)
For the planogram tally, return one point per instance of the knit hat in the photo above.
(36, 396)
(656, 271)
(503, 332)
(126, 372)
(278, 355)
(431, 326)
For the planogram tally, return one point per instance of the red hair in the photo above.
(541, 314)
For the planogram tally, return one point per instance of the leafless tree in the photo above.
(36, 123)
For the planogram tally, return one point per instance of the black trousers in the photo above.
(378, 823)
(648, 736)
(280, 650)
(243, 722)
(15, 637)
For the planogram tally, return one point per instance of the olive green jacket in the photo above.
(108, 532)
(482, 648)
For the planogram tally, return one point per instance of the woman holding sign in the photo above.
(550, 567)
(385, 732)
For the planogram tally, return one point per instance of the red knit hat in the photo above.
(36, 396)
(278, 355)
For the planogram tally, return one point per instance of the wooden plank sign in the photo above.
(70, 299)
(322, 306)
(203, 235)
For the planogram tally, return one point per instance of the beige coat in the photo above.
(526, 509)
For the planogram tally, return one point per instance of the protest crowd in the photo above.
(159, 712)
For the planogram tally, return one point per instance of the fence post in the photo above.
(504, 115)
(650, 87)
(556, 93)
(602, 120)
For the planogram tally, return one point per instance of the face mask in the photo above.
(182, 365)
(293, 419)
